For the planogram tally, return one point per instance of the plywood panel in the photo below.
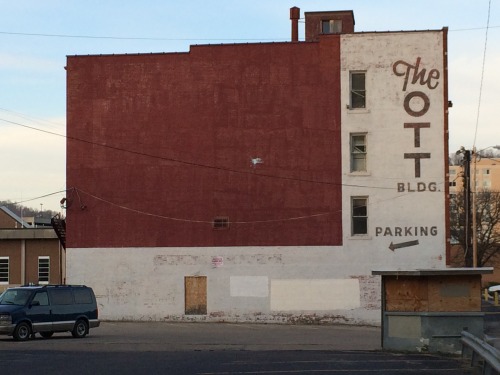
(195, 295)
(406, 294)
(433, 293)
(455, 293)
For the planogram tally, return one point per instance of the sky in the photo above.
(36, 36)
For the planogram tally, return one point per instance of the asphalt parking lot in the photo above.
(167, 336)
(217, 348)
(492, 323)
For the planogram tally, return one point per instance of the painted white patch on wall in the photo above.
(249, 286)
(327, 294)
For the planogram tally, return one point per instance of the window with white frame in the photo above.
(43, 269)
(4, 270)
(358, 152)
(358, 90)
(359, 215)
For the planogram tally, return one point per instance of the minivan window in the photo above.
(15, 297)
(61, 297)
(82, 295)
(41, 298)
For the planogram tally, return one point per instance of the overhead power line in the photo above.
(476, 28)
(36, 198)
(482, 72)
(131, 38)
(159, 216)
(188, 220)
(201, 165)
(302, 217)
(74, 36)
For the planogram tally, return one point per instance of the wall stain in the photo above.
(370, 291)
(190, 260)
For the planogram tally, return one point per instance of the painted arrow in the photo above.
(402, 244)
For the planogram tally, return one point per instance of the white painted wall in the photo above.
(272, 284)
(328, 284)
(387, 141)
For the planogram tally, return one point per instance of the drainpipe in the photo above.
(294, 17)
(23, 262)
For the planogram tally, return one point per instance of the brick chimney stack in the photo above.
(294, 17)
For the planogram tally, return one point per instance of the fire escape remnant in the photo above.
(59, 226)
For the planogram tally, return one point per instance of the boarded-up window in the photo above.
(195, 295)
(433, 293)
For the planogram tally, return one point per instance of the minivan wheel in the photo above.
(46, 335)
(22, 332)
(80, 330)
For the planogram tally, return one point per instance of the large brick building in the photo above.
(259, 181)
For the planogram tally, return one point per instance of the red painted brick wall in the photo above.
(190, 124)
(313, 23)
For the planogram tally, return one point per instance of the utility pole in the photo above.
(474, 210)
(468, 211)
(470, 226)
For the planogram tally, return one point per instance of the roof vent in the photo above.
(221, 222)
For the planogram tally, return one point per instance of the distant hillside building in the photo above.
(258, 181)
(487, 177)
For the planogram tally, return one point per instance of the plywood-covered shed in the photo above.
(426, 310)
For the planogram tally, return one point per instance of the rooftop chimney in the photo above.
(294, 16)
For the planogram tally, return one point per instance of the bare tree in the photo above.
(455, 159)
(487, 226)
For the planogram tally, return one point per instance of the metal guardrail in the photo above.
(481, 351)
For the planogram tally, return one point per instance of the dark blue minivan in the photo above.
(27, 310)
